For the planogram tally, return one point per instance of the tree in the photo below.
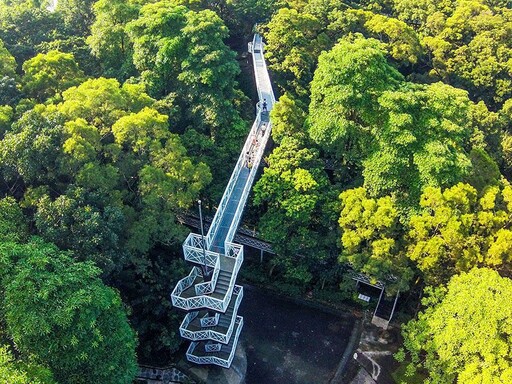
(46, 75)
(294, 191)
(77, 15)
(101, 102)
(182, 57)
(420, 141)
(58, 311)
(457, 230)
(372, 239)
(109, 40)
(7, 62)
(464, 333)
(16, 372)
(29, 152)
(6, 115)
(9, 92)
(344, 97)
(399, 40)
(91, 232)
(470, 44)
(24, 25)
(288, 119)
(13, 224)
(182, 51)
(294, 42)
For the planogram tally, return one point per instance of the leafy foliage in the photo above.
(456, 231)
(15, 372)
(464, 333)
(46, 75)
(371, 236)
(59, 312)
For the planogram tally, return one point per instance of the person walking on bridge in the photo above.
(264, 105)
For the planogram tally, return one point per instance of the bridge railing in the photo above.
(199, 357)
(231, 184)
(257, 58)
(193, 251)
(205, 334)
(235, 251)
(197, 301)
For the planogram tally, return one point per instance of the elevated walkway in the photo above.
(209, 291)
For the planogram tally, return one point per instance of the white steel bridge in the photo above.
(210, 292)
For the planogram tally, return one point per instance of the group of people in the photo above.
(249, 155)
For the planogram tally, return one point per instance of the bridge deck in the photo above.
(250, 156)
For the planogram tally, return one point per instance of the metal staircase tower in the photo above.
(210, 292)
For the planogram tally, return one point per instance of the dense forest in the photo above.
(392, 154)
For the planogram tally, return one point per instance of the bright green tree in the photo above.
(288, 119)
(17, 372)
(420, 141)
(294, 189)
(344, 97)
(464, 333)
(47, 75)
(294, 42)
(7, 62)
(109, 40)
(469, 43)
(372, 239)
(457, 230)
(399, 40)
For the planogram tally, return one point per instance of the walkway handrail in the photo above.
(258, 59)
(231, 184)
(247, 188)
(193, 251)
(205, 334)
(255, 42)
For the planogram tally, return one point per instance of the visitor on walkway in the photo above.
(263, 127)
(264, 105)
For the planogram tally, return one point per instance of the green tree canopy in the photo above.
(294, 191)
(372, 239)
(464, 333)
(294, 42)
(102, 173)
(13, 225)
(344, 97)
(58, 311)
(109, 40)
(46, 75)
(457, 230)
(421, 140)
(7, 62)
(16, 372)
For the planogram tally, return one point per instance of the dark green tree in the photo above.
(58, 311)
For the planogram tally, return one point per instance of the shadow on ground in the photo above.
(286, 342)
